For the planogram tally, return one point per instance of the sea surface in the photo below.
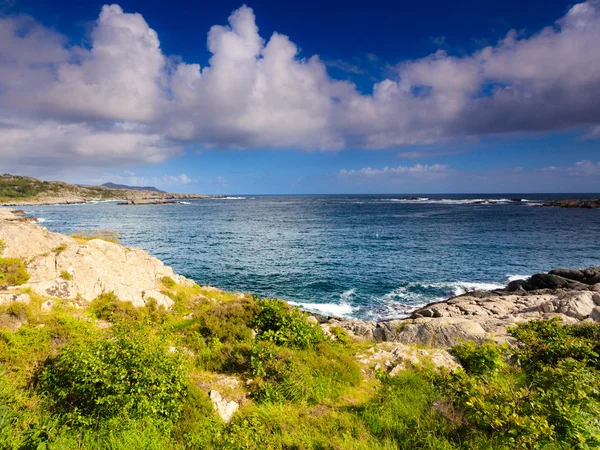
(369, 257)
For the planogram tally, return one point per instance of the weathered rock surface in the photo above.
(393, 357)
(225, 409)
(571, 295)
(94, 267)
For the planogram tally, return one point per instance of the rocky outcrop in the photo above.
(571, 295)
(393, 358)
(65, 268)
(589, 204)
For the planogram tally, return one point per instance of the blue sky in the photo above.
(300, 98)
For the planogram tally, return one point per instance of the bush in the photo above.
(12, 272)
(551, 396)
(108, 307)
(128, 376)
(286, 326)
(105, 235)
(168, 282)
(478, 359)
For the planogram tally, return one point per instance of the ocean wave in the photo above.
(327, 309)
(517, 277)
(465, 201)
(345, 296)
(43, 220)
(184, 203)
(230, 198)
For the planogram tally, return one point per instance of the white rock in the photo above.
(47, 305)
(225, 409)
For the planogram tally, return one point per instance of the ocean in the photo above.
(364, 256)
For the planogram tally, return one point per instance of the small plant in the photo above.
(286, 326)
(65, 275)
(2, 246)
(12, 272)
(478, 359)
(340, 335)
(17, 309)
(61, 248)
(168, 282)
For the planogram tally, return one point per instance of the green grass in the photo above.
(65, 275)
(142, 382)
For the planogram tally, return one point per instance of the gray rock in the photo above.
(441, 332)
(595, 314)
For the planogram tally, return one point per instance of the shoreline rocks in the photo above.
(588, 204)
(571, 295)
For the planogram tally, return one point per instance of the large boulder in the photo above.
(440, 332)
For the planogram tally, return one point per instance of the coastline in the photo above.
(477, 316)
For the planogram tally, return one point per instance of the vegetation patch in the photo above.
(61, 248)
(65, 275)
(128, 375)
(106, 235)
(12, 272)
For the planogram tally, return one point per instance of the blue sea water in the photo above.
(369, 257)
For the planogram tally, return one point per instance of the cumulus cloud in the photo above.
(123, 101)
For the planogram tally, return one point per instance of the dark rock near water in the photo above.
(589, 204)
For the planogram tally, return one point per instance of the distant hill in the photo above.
(19, 190)
(132, 188)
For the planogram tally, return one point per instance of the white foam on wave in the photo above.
(464, 201)
(345, 296)
(517, 277)
(43, 220)
(185, 203)
(230, 198)
(327, 309)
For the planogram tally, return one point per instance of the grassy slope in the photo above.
(298, 390)
(17, 188)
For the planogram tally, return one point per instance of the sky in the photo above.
(325, 97)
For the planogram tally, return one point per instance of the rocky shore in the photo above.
(571, 295)
(67, 268)
(587, 204)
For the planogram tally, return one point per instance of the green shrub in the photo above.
(547, 342)
(17, 309)
(12, 272)
(2, 246)
(129, 376)
(108, 307)
(550, 397)
(340, 335)
(478, 359)
(286, 326)
(65, 275)
(106, 235)
(168, 282)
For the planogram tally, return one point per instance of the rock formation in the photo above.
(571, 295)
(66, 268)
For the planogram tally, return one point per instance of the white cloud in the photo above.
(416, 170)
(123, 102)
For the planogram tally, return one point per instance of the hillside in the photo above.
(20, 190)
(132, 188)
